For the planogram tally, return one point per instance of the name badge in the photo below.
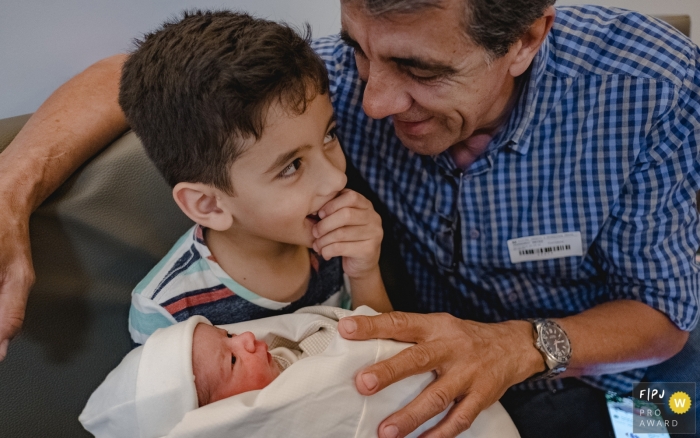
(545, 247)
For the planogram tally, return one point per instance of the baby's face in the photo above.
(225, 365)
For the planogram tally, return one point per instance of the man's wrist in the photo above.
(19, 185)
(530, 360)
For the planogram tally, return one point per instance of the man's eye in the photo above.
(291, 169)
(422, 76)
(229, 335)
(331, 136)
(233, 359)
(360, 53)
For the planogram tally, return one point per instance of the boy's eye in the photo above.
(291, 169)
(229, 335)
(331, 136)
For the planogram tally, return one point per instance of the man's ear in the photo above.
(200, 202)
(525, 49)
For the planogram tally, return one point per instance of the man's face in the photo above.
(422, 72)
(285, 177)
(225, 365)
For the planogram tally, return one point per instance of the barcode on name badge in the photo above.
(547, 250)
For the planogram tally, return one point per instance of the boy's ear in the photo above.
(200, 202)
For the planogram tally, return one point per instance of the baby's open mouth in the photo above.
(313, 217)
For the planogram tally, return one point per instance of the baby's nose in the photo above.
(247, 341)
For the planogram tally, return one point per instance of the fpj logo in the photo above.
(664, 406)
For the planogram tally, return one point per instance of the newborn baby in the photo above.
(193, 379)
(225, 364)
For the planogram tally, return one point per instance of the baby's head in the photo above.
(227, 364)
(178, 369)
(235, 113)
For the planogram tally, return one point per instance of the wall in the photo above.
(44, 43)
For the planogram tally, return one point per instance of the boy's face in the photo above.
(283, 179)
(225, 365)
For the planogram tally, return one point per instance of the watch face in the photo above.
(554, 340)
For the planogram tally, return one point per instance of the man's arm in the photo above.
(475, 363)
(78, 120)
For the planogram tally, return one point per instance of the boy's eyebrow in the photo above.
(435, 67)
(283, 158)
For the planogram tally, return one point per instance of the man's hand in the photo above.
(349, 227)
(475, 363)
(16, 276)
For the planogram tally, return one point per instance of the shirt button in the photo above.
(474, 234)
(513, 297)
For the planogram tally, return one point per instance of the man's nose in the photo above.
(384, 94)
(246, 341)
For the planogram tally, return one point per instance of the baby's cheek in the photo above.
(263, 380)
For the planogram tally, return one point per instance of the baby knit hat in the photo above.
(150, 391)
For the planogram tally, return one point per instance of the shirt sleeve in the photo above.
(648, 245)
(145, 317)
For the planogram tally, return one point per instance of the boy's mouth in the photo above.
(313, 217)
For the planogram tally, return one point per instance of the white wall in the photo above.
(43, 43)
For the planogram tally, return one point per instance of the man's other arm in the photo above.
(74, 123)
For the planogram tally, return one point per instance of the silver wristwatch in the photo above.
(554, 345)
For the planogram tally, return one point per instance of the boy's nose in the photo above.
(246, 341)
(334, 181)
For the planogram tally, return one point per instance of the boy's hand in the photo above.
(349, 227)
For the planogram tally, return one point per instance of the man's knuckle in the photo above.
(412, 419)
(11, 324)
(421, 355)
(440, 398)
(399, 320)
(389, 371)
(462, 420)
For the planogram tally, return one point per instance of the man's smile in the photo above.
(412, 127)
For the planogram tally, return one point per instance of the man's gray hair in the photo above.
(494, 25)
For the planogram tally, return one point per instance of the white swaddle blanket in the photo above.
(316, 396)
(151, 393)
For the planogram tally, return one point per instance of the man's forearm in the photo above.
(78, 120)
(619, 336)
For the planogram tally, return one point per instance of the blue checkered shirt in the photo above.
(603, 141)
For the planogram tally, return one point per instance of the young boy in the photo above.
(235, 113)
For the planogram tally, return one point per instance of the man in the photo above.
(539, 164)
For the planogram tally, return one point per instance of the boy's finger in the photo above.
(335, 249)
(357, 233)
(347, 198)
(346, 217)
